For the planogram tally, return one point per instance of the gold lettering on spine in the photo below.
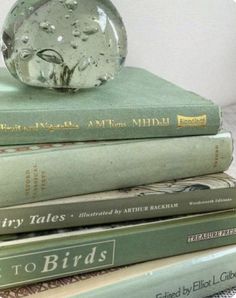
(199, 121)
(92, 124)
(108, 123)
(151, 122)
(67, 125)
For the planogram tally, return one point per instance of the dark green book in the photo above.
(29, 258)
(186, 196)
(136, 105)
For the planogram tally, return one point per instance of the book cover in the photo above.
(39, 257)
(51, 171)
(136, 105)
(191, 275)
(184, 196)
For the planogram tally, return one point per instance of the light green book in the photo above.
(192, 275)
(30, 258)
(51, 171)
(136, 105)
(185, 196)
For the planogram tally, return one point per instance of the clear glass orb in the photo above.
(66, 44)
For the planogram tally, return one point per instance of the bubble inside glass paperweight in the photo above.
(66, 44)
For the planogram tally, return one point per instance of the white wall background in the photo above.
(189, 42)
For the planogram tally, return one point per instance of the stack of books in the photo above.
(128, 174)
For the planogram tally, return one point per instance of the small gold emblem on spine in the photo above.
(199, 121)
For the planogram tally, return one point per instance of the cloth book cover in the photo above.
(137, 104)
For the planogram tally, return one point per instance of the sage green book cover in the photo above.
(136, 105)
(194, 275)
(51, 171)
(29, 258)
(185, 196)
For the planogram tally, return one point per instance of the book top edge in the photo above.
(61, 147)
(133, 87)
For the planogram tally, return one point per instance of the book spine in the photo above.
(43, 175)
(51, 258)
(48, 217)
(199, 277)
(73, 125)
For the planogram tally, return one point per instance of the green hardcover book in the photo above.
(136, 105)
(185, 196)
(38, 173)
(34, 257)
(192, 275)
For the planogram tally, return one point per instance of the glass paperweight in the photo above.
(66, 44)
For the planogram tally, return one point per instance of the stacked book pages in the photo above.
(118, 190)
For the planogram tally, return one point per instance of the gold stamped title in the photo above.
(182, 122)
(91, 124)
(199, 121)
